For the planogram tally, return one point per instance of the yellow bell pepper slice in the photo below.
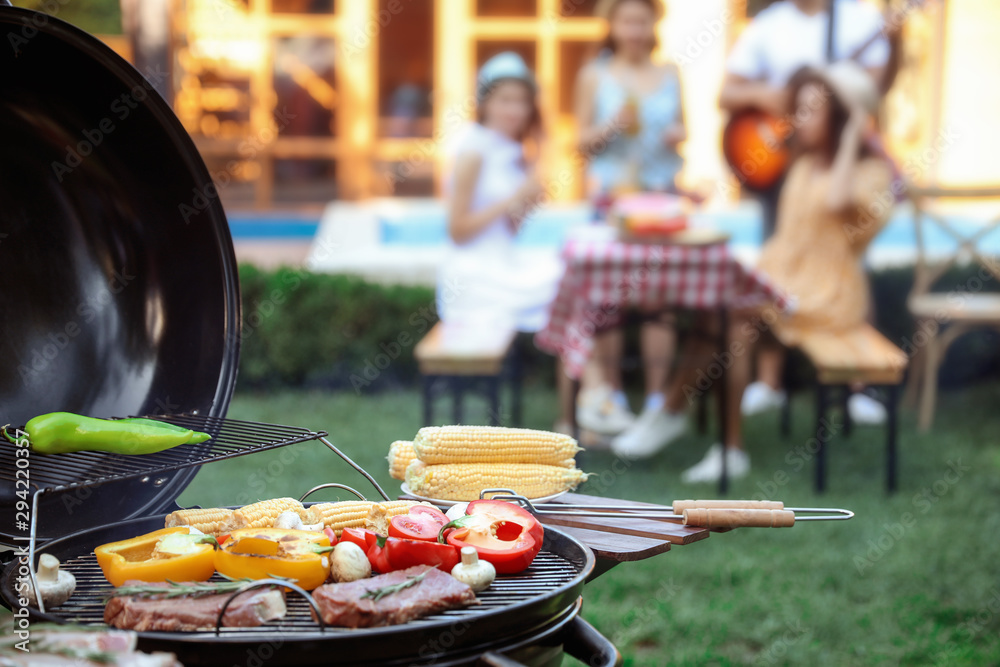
(260, 553)
(157, 557)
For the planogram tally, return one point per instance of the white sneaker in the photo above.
(597, 411)
(651, 432)
(865, 410)
(709, 469)
(759, 397)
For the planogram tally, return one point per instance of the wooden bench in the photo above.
(858, 356)
(467, 360)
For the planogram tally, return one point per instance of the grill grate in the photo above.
(230, 438)
(547, 572)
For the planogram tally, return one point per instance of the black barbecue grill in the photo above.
(533, 612)
(115, 300)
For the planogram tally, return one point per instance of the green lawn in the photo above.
(913, 579)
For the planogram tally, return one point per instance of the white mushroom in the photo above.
(455, 511)
(476, 574)
(291, 520)
(348, 562)
(56, 585)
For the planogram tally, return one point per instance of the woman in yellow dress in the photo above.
(830, 209)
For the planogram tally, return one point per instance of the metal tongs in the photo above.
(700, 513)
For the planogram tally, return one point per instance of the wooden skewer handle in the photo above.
(681, 505)
(739, 518)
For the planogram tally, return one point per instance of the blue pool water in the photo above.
(247, 226)
(549, 228)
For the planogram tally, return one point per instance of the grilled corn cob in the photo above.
(361, 514)
(464, 481)
(208, 521)
(263, 514)
(400, 454)
(493, 444)
(345, 514)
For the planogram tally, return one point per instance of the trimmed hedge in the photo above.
(302, 328)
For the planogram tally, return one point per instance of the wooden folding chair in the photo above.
(942, 317)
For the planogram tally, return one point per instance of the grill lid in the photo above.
(118, 288)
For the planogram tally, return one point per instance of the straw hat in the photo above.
(851, 84)
(506, 65)
(604, 8)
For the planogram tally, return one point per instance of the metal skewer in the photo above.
(705, 513)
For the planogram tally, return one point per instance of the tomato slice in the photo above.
(359, 536)
(403, 553)
(329, 532)
(422, 523)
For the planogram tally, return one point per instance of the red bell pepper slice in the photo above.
(503, 534)
(403, 553)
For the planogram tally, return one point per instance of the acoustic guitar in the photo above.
(755, 142)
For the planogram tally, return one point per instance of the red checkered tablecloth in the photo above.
(604, 278)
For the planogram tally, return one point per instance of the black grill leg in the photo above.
(892, 405)
(428, 400)
(821, 398)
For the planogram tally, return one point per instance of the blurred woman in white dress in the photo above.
(486, 284)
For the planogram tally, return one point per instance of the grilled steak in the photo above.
(253, 608)
(343, 604)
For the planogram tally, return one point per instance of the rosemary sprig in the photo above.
(378, 593)
(174, 589)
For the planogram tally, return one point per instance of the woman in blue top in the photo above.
(629, 112)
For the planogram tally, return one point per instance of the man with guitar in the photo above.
(782, 39)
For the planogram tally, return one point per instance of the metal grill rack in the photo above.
(230, 438)
(548, 571)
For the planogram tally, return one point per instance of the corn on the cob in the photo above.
(208, 521)
(262, 514)
(345, 514)
(361, 514)
(493, 444)
(400, 454)
(464, 481)
(381, 513)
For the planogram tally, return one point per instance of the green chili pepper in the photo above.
(62, 432)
